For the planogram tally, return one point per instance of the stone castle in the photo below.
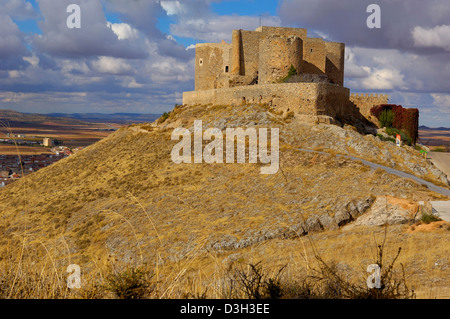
(254, 68)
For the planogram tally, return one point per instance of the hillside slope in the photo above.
(124, 198)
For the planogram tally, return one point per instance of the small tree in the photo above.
(386, 118)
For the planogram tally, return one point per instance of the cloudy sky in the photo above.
(137, 55)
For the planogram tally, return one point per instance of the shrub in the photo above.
(329, 282)
(292, 71)
(429, 218)
(254, 282)
(129, 284)
(406, 120)
(383, 138)
(405, 137)
(164, 117)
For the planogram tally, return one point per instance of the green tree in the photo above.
(387, 118)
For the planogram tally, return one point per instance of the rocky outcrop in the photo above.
(314, 223)
(387, 210)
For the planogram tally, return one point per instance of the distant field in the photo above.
(72, 135)
(6, 149)
(435, 138)
(74, 131)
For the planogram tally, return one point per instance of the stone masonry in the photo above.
(254, 66)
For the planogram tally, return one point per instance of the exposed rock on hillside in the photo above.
(388, 211)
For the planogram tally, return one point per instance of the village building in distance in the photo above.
(13, 168)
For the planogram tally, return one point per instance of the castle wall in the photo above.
(250, 48)
(314, 56)
(210, 62)
(276, 55)
(301, 33)
(308, 101)
(364, 102)
(334, 64)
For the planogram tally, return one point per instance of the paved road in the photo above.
(441, 160)
(431, 186)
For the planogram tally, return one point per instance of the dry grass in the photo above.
(206, 274)
(122, 204)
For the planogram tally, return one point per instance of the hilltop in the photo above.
(122, 200)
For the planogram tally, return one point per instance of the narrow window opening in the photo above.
(226, 69)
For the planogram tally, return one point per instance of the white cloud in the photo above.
(94, 38)
(352, 69)
(71, 66)
(33, 60)
(438, 37)
(10, 38)
(132, 84)
(443, 102)
(384, 79)
(217, 28)
(123, 31)
(172, 7)
(14, 74)
(18, 9)
(111, 65)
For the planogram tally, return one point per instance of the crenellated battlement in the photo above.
(365, 101)
(371, 95)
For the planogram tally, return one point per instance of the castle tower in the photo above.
(334, 65)
(276, 55)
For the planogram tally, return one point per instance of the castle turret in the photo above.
(276, 55)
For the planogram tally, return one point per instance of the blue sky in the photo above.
(138, 56)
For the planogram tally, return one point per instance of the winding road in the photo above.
(431, 186)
